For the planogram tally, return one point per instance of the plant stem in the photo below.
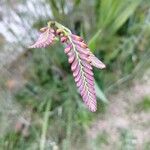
(44, 127)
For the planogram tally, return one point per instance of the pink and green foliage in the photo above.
(79, 56)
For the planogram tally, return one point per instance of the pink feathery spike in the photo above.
(81, 60)
(79, 56)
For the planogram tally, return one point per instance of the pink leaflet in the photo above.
(77, 78)
(89, 77)
(80, 83)
(88, 71)
(91, 83)
(96, 62)
(85, 98)
(82, 50)
(76, 38)
(91, 90)
(71, 58)
(63, 39)
(81, 86)
(68, 48)
(81, 44)
(70, 53)
(83, 91)
(87, 65)
(76, 72)
(74, 64)
(84, 57)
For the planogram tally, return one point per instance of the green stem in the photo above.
(45, 126)
(59, 26)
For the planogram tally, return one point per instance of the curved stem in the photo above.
(59, 26)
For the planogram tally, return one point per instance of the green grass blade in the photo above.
(124, 15)
(45, 126)
(100, 94)
(113, 14)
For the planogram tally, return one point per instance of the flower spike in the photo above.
(79, 56)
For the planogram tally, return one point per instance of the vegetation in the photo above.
(54, 117)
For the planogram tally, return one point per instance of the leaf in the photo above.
(93, 41)
(125, 14)
(82, 71)
(113, 14)
(96, 62)
(46, 38)
(100, 94)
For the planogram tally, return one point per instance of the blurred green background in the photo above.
(40, 107)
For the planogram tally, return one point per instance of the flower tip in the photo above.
(103, 66)
(93, 109)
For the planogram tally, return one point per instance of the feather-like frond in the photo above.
(46, 38)
(78, 56)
